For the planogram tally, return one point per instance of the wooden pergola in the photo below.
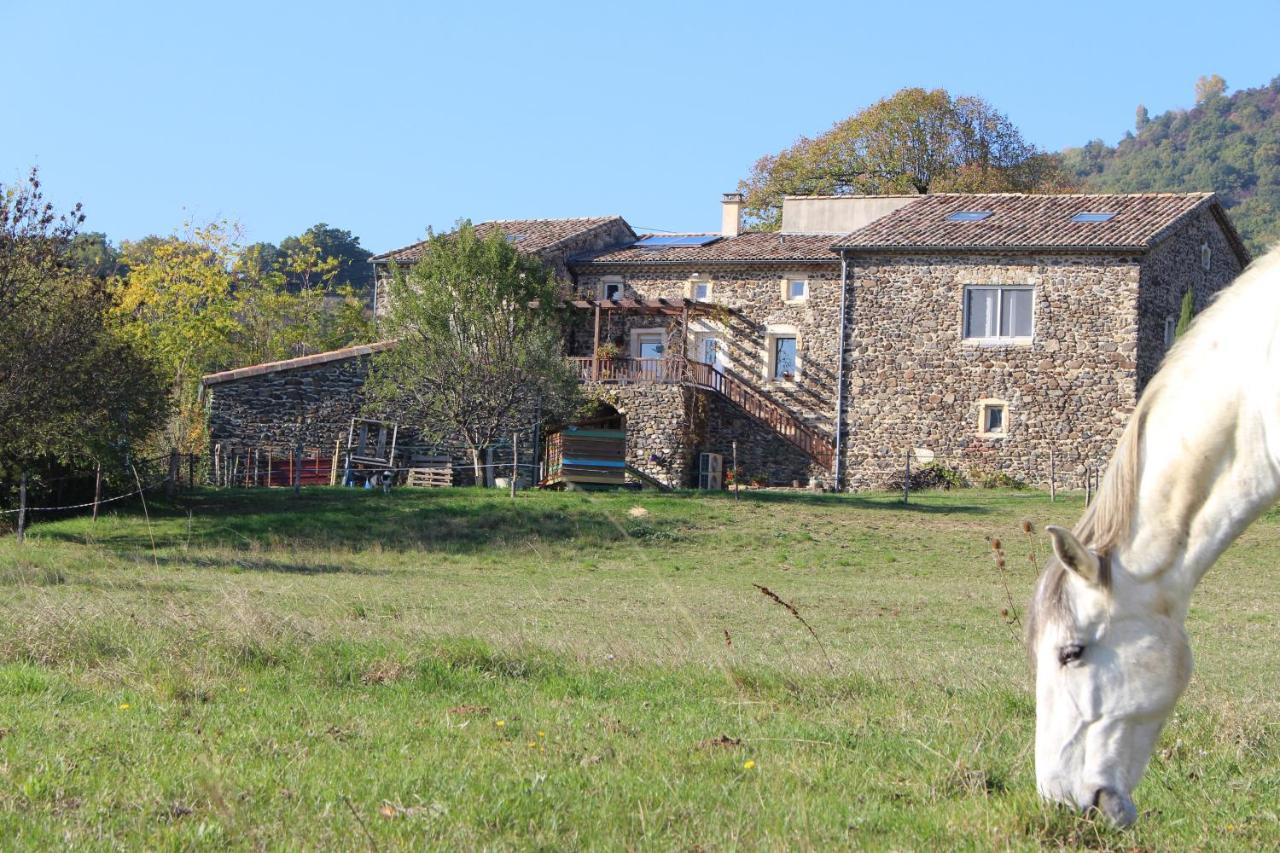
(681, 307)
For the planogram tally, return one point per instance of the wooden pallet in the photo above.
(430, 472)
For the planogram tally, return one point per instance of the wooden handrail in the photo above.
(772, 414)
(751, 400)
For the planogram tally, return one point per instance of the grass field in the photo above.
(456, 668)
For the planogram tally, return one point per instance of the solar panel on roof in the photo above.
(968, 215)
(668, 241)
(1092, 217)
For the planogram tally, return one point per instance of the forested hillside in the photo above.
(1226, 143)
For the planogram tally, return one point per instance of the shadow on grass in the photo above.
(447, 520)
(882, 502)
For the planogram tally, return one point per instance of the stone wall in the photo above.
(914, 382)
(274, 410)
(752, 297)
(661, 435)
(762, 453)
(1169, 270)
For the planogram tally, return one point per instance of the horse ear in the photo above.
(1073, 555)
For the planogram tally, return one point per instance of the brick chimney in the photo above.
(731, 214)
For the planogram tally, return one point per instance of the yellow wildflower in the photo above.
(499, 723)
(124, 706)
(748, 764)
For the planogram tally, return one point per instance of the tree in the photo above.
(350, 260)
(916, 141)
(72, 386)
(1141, 118)
(94, 253)
(1209, 87)
(1186, 315)
(479, 348)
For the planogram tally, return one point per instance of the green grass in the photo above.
(458, 669)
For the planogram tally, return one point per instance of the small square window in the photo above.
(701, 290)
(795, 289)
(1206, 256)
(611, 288)
(993, 418)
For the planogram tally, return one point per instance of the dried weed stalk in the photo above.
(791, 608)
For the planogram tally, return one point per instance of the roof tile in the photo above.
(1020, 221)
(535, 235)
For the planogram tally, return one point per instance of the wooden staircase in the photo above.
(755, 403)
(765, 411)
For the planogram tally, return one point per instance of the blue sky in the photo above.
(385, 118)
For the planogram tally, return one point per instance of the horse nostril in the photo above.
(1117, 806)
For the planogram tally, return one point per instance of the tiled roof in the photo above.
(295, 363)
(535, 235)
(1027, 222)
(753, 246)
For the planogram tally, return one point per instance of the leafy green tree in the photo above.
(92, 251)
(73, 387)
(479, 346)
(1212, 86)
(326, 257)
(916, 141)
(1185, 315)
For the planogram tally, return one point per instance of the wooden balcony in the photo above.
(614, 370)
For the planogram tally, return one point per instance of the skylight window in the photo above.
(514, 238)
(968, 215)
(1092, 217)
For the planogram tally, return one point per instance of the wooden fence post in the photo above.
(906, 480)
(171, 479)
(1053, 476)
(22, 508)
(333, 465)
(1088, 485)
(515, 456)
(97, 490)
(191, 472)
(297, 469)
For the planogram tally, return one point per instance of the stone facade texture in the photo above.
(313, 405)
(752, 305)
(1168, 271)
(914, 385)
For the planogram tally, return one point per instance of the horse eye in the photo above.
(1071, 653)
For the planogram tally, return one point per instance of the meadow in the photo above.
(461, 669)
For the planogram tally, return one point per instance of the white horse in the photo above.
(1198, 462)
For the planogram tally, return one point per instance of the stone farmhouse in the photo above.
(984, 331)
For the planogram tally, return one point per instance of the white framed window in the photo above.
(1206, 256)
(782, 354)
(993, 418)
(648, 343)
(612, 287)
(1170, 330)
(700, 289)
(998, 313)
(795, 288)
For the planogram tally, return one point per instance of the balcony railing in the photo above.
(628, 369)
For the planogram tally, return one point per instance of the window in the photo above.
(1170, 331)
(784, 357)
(648, 343)
(994, 313)
(700, 290)
(1093, 217)
(1206, 256)
(993, 418)
(968, 215)
(795, 288)
(611, 287)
